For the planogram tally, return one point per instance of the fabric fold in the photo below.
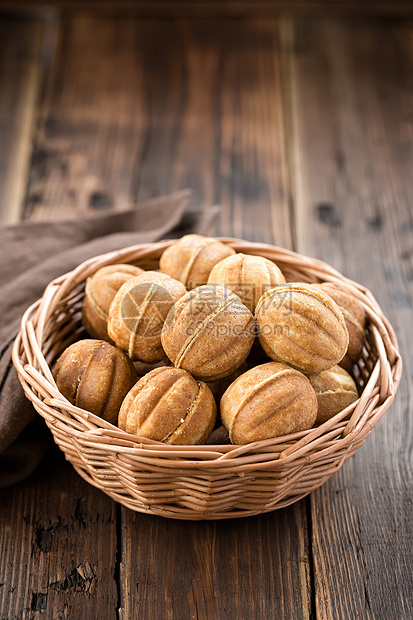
(34, 253)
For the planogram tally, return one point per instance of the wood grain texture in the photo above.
(20, 73)
(57, 547)
(217, 124)
(92, 122)
(244, 568)
(140, 108)
(350, 96)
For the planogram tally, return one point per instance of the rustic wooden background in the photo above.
(301, 127)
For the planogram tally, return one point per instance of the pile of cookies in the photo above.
(213, 340)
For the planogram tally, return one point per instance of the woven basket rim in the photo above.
(302, 438)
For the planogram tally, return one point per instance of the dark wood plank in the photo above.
(242, 568)
(92, 124)
(20, 73)
(140, 108)
(350, 95)
(215, 122)
(57, 547)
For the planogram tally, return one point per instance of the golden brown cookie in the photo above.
(191, 259)
(208, 332)
(96, 376)
(247, 276)
(335, 390)
(301, 326)
(169, 405)
(137, 314)
(355, 318)
(101, 288)
(268, 401)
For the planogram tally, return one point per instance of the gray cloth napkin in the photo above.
(34, 253)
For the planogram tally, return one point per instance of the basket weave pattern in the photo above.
(209, 481)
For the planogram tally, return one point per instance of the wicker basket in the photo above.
(210, 481)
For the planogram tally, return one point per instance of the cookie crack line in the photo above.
(352, 319)
(94, 304)
(156, 402)
(285, 287)
(232, 342)
(334, 392)
(137, 389)
(262, 384)
(188, 267)
(85, 368)
(287, 359)
(188, 413)
(114, 366)
(319, 326)
(142, 308)
(188, 343)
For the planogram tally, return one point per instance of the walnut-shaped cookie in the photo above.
(100, 290)
(208, 332)
(335, 390)
(96, 376)
(137, 314)
(301, 326)
(268, 401)
(355, 318)
(247, 276)
(169, 405)
(191, 259)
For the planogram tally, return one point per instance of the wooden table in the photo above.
(302, 129)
